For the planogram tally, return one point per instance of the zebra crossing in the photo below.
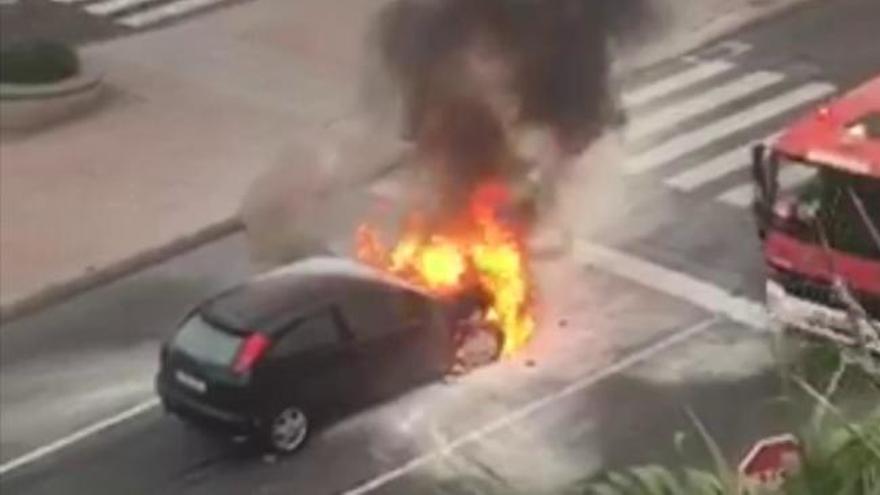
(139, 14)
(692, 128)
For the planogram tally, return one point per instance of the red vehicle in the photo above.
(817, 204)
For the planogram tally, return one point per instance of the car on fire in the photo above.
(311, 341)
(817, 206)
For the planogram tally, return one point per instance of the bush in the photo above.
(38, 62)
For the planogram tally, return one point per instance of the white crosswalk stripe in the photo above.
(110, 7)
(693, 75)
(140, 13)
(789, 177)
(715, 168)
(715, 102)
(692, 141)
(702, 103)
(712, 170)
(157, 14)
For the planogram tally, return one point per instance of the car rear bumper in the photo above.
(795, 312)
(200, 412)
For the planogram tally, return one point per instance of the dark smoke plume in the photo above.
(554, 53)
(470, 70)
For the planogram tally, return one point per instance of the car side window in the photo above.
(371, 312)
(316, 331)
(411, 308)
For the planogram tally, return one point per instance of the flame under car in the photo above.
(312, 341)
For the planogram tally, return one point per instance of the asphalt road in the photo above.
(624, 347)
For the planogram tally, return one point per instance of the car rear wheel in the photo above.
(287, 430)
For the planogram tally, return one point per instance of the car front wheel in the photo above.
(480, 344)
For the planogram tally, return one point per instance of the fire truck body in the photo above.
(821, 237)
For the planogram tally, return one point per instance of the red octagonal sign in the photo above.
(769, 463)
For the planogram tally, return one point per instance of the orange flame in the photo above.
(486, 253)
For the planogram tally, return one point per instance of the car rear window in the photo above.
(208, 344)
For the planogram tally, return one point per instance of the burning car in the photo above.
(308, 342)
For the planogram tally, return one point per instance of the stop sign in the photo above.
(769, 463)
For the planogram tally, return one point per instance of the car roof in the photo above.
(840, 134)
(270, 301)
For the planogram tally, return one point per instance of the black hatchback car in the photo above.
(310, 341)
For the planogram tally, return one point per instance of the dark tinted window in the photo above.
(314, 332)
(829, 195)
(373, 311)
(208, 344)
(412, 308)
(847, 229)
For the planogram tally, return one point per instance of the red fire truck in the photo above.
(817, 204)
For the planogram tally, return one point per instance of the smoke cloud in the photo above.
(472, 73)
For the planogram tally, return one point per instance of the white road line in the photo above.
(663, 87)
(713, 169)
(68, 2)
(692, 141)
(680, 111)
(77, 436)
(789, 177)
(110, 7)
(157, 14)
(676, 284)
(717, 167)
(533, 407)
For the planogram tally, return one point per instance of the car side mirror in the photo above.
(764, 171)
(759, 174)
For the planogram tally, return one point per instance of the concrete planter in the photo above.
(28, 106)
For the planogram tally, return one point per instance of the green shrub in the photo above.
(37, 62)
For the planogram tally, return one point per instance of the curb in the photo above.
(58, 292)
(61, 291)
(30, 106)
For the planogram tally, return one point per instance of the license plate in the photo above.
(191, 381)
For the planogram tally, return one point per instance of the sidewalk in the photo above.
(193, 115)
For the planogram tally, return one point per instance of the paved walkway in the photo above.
(192, 115)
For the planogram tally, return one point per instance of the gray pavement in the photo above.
(616, 360)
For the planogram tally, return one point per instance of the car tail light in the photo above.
(250, 352)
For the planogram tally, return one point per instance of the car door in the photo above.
(393, 339)
(311, 364)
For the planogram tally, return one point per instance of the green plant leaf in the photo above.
(657, 480)
(703, 483)
(725, 474)
(603, 489)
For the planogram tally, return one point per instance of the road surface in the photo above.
(654, 312)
